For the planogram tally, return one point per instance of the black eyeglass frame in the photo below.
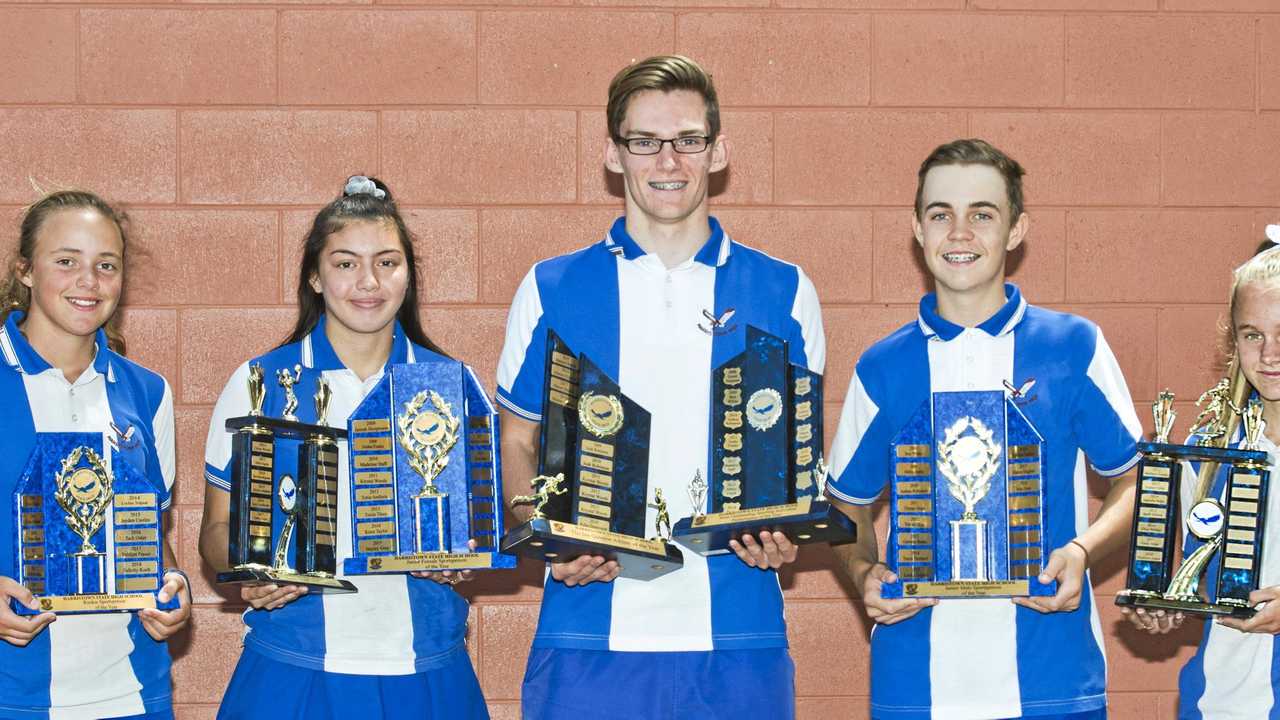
(626, 142)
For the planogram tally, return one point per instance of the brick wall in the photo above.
(1151, 130)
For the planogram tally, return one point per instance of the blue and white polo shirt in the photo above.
(990, 658)
(647, 327)
(82, 667)
(395, 624)
(1233, 674)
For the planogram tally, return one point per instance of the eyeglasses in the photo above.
(685, 144)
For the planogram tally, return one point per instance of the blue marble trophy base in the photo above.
(804, 523)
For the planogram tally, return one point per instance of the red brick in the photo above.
(369, 57)
(444, 243)
(486, 3)
(1138, 662)
(1089, 5)
(127, 155)
(865, 157)
(770, 59)
(829, 644)
(1124, 706)
(151, 338)
(1141, 255)
(850, 331)
(1131, 333)
(472, 335)
(513, 239)
(195, 712)
(187, 545)
(932, 60)
(504, 711)
(209, 257)
(1191, 353)
(683, 4)
(1198, 61)
(480, 156)
(201, 674)
(274, 156)
(1080, 158)
(1269, 56)
(561, 57)
(816, 573)
(1223, 6)
(1221, 159)
(1038, 266)
(522, 585)
(505, 641)
(41, 53)
(747, 181)
(831, 708)
(192, 429)
(236, 334)
(130, 56)
(833, 247)
(876, 4)
(1261, 219)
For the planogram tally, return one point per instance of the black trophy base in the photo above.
(804, 523)
(553, 540)
(269, 576)
(1155, 601)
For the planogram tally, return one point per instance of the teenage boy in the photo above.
(658, 303)
(988, 658)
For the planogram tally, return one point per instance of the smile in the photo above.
(84, 303)
(960, 258)
(671, 185)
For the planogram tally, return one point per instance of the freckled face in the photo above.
(76, 274)
(363, 276)
(1256, 325)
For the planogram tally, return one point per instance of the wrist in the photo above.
(1083, 550)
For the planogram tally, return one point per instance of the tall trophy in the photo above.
(425, 473)
(591, 495)
(87, 532)
(1228, 528)
(766, 468)
(967, 503)
(284, 492)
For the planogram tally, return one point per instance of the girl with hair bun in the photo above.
(62, 369)
(395, 649)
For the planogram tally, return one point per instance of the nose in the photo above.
(960, 230)
(88, 277)
(667, 154)
(368, 279)
(1271, 351)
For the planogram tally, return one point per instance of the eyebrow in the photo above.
(947, 206)
(344, 251)
(698, 132)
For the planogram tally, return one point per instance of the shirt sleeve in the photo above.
(521, 371)
(859, 455)
(808, 315)
(233, 402)
(1104, 419)
(162, 430)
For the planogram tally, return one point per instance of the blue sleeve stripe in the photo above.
(1122, 469)
(510, 404)
(216, 480)
(835, 493)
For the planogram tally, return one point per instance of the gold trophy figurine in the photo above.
(84, 494)
(1211, 423)
(547, 486)
(257, 390)
(663, 520)
(1163, 413)
(698, 494)
(287, 380)
(1254, 425)
(324, 394)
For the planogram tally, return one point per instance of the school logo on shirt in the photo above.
(1022, 394)
(718, 325)
(123, 439)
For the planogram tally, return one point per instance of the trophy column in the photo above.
(252, 462)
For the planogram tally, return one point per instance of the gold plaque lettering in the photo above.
(561, 384)
(33, 571)
(595, 463)
(261, 476)
(482, 473)
(30, 519)
(562, 399)
(915, 556)
(1239, 548)
(731, 489)
(905, 505)
(326, 539)
(597, 448)
(371, 426)
(595, 493)
(733, 419)
(914, 469)
(137, 567)
(35, 552)
(33, 535)
(913, 487)
(1155, 486)
(372, 478)
(1020, 486)
(1242, 521)
(1023, 452)
(733, 376)
(479, 438)
(733, 397)
(594, 478)
(1157, 513)
(731, 465)
(804, 479)
(1148, 542)
(803, 386)
(1030, 552)
(260, 531)
(371, 443)
(135, 500)
(1159, 471)
(257, 516)
(370, 494)
(915, 572)
(560, 358)
(1024, 469)
(481, 456)
(135, 551)
(915, 522)
(1244, 493)
(364, 512)
(1148, 555)
(1242, 478)
(1024, 537)
(1238, 563)
(590, 508)
(372, 461)
(804, 432)
(564, 373)
(1024, 519)
(32, 501)
(479, 421)
(804, 410)
(804, 456)
(732, 442)
(259, 446)
(1024, 502)
(912, 451)
(373, 528)
(136, 535)
(135, 585)
(260, 503)
(377, 545)
(593, 522)
(262, 489)
(1150, 527)
(1248, 536)
(1154, 499)
(909, 538)
(1244, 507)
(136, 517)
(262, 461)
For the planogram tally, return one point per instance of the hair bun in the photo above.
(362, 185)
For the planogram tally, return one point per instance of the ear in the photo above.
(22, 269)
(613, 156)
(720, 154)
(1018, 232)
(315, 283)
(917, 229)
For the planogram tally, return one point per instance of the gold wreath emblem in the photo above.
(968, 458)
(84, 493)
(427, 436)
(601, 415)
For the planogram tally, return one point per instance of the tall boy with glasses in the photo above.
(658, 303)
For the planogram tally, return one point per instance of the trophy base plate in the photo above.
(549, 540)
(262, 576)
(94, 603)
(804, 523)
(392, 564)
(967, 588)
(1188, 607)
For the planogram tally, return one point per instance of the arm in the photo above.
(1068, 563)
(161, 624)
(519, 467)
(860, 561)
(215, 534)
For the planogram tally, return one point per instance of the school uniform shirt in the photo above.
(659, 333)
(82, 666)
(989, 658)
(395, 624)
(1233, 674)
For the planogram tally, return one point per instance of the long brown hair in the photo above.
(363, 200)
(17, 296)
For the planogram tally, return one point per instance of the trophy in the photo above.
(591, 494)
(284, 492)
(766, 468)
(967, 503)
(424, 473)
(87, 532)
(1228, 527)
